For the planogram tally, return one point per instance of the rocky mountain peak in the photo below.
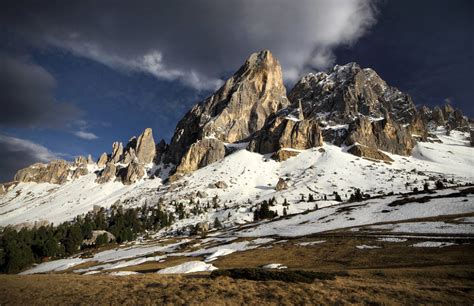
(235, 111)
(347, 91)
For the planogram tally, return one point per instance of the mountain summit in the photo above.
(234, 112)
(349, 106)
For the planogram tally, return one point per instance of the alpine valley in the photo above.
(342, 179)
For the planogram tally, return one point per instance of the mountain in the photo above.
(342, 155)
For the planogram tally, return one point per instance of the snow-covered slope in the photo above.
(250, 178)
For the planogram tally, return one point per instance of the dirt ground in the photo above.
(394, 273)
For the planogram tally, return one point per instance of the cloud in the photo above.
(26, 96)
(19, 153)
(86, 135)
(196, 42)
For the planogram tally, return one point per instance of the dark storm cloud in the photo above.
(193, 41)
(26, 96)
(17, 153)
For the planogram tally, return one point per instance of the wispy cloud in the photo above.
(86, 135)
(194, 49)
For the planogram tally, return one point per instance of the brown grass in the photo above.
(453, 285)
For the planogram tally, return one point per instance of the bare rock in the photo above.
(348, 91)
(201, 194)
(56, 172)
(2, 189)
(128, 156)
(108, 174)
(201, 154)
(201, 228)
(282, 154)
(103, 159)
(80, 160)
(237, 110)
(281, 132)
(134, 172)
(369, 153)
(220, 184)
(281, 185)
(146, 147)
(80, 171)
(384, 134)
(117, 151)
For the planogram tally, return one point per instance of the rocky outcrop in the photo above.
(369, 153)
(108, 174)
(283, 154)
(80, 160)
(80, 171)
(117, 152)
(103, 159)
(133, 172)
(220, 184)
(283, 130)
(56, 172)
(201, 154)
(237, 110)
(145, 148)
(385, 135)
(281, 185)
(161, 149)
(2, 189)
(89, 159)
(128, 156)
(349, 91)
(445, 116)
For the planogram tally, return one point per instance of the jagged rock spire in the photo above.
(237, 110)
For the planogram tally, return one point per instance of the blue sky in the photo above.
(79, 77)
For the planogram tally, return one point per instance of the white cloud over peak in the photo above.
(199, 42)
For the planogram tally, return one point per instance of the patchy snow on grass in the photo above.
(428, 227)
(432, 244)
(55, 265)
(392, 239)
(123, 273)
(188, 267)
(369, 247)
(274, 266)
(311, 242)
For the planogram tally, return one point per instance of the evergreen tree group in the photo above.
(21, 248)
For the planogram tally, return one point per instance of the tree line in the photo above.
(19, 249)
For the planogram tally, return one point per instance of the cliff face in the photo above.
(234, 112)
(348, 106)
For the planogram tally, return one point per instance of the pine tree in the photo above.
(217, 223)
(285, 213)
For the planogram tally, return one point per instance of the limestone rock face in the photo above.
(108, 174)
(349, 91)
(80, 171)
(201, 154)
(80, 160)
(281, 185)
(220, 184)
(385, 135)
(146, 150)
(133, 172)
(56, 172)
(369, 153)
(281, 132)
(117, 151)
(237, 110)
(103, 159)
(282, 155)
(161, 149)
